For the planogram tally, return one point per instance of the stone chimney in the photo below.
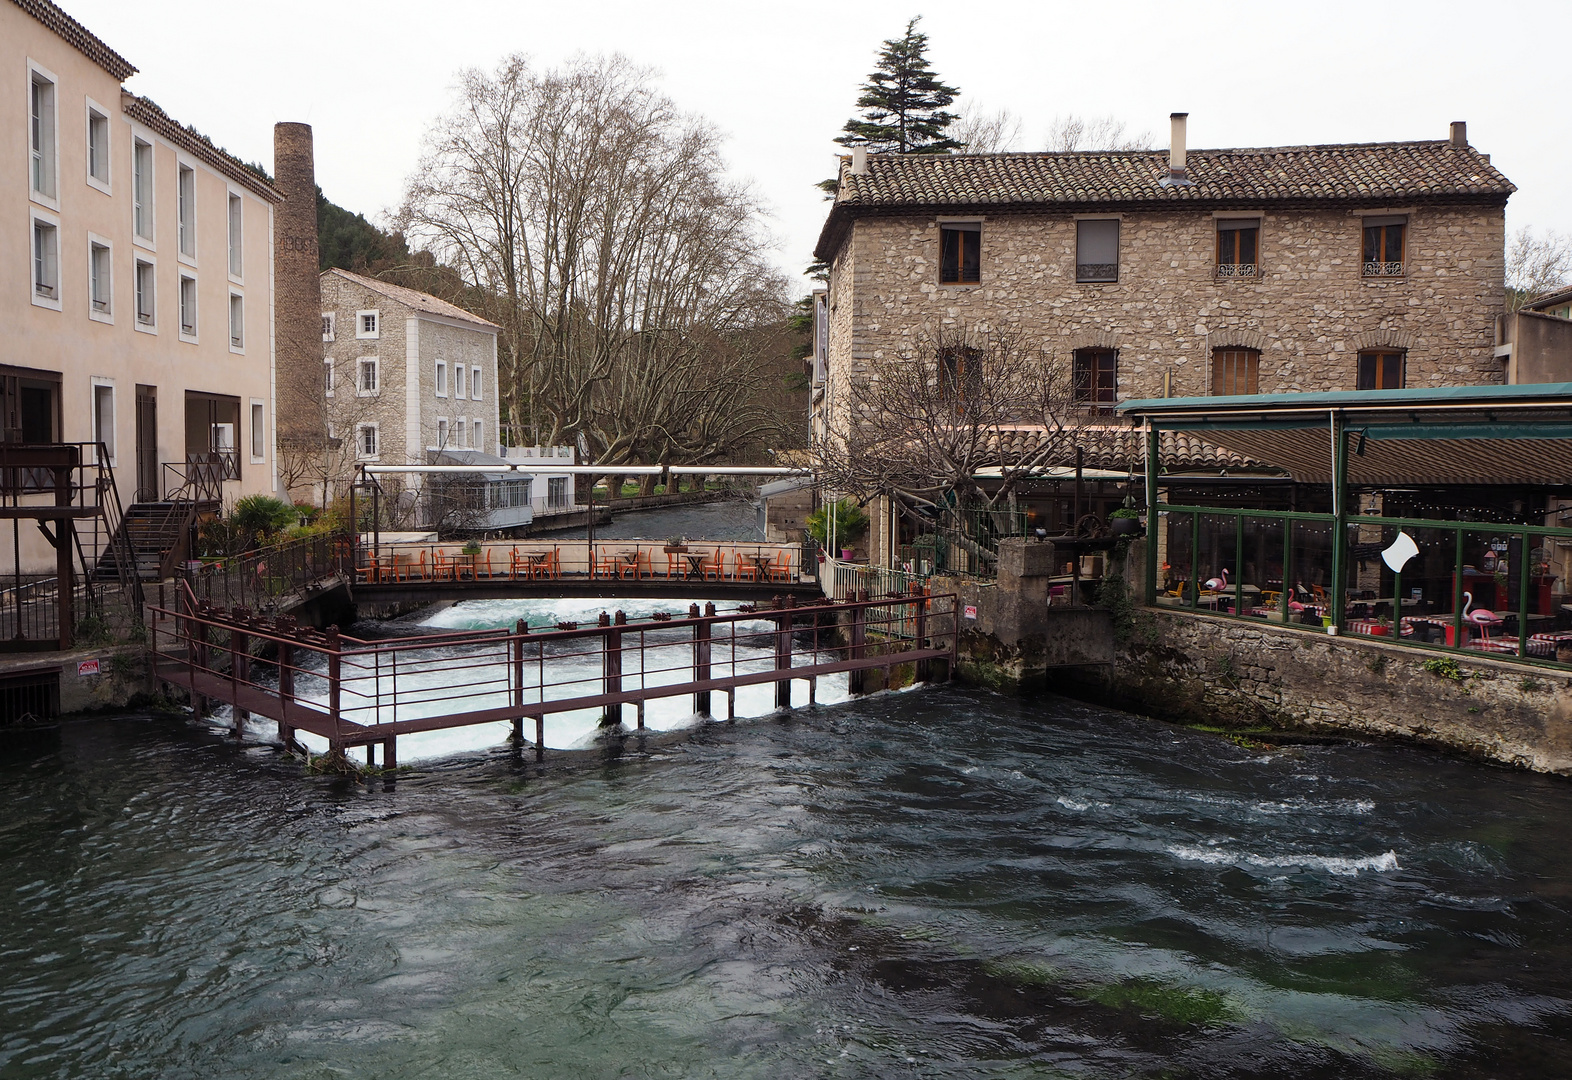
(297, 289)
(1460, 134)
(1177, 177)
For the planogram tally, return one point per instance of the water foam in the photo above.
(1340, 865)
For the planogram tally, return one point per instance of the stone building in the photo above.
(135, 278)
(1153, 273)
(1294, 268)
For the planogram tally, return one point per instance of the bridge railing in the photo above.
(356, 692)
(269, 578)
(432, 563)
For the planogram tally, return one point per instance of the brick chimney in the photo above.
(297, 290)
(1459, 137)
(1177, 177)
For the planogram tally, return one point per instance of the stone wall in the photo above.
(1216, 670)
(348, 409)
(1309, 313)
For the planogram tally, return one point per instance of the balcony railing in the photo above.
(1236, 270)
(1383, 269)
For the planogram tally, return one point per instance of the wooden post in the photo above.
(286, 691)
(239, 648)
(389, 754)
(701, 658)
(783, 629)
(612, 664)
(924, 668)
(540, 737)
(520, 628)
(855, 678)
(334, 685)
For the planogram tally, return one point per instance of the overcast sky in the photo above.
(780, 79)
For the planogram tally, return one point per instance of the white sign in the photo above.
(86, 667)
(971, 611)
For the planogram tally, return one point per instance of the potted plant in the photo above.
(1382, 627)
(849, 523)
(675, 544)
(1125, 521)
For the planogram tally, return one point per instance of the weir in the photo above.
(355, 692)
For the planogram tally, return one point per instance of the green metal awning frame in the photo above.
(1438, 436)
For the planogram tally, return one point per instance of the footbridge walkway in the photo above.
(354, 692)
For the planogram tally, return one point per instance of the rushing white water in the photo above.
(476, 676)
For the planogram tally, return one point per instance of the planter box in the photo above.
(674, 549)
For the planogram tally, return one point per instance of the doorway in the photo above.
(147, 487)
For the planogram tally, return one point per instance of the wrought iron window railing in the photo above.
(1383, 269)
(1236, 270)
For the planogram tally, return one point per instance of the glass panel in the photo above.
(949, 255)
(1311, 564)
(1174, 562)
(1246, 245)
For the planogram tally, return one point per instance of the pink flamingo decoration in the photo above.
(1483, 618)
(1217, 584)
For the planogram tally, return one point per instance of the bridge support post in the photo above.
(389, 754)
(783, 629)
(239, 665)
(701, 657)
(286, 692)
(335, 681)
(855, 679)
(924, 667)
(540, 737)
(520, 628)
(612, 667)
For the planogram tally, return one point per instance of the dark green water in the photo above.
(931, 884)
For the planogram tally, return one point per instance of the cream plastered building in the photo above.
(135, 273)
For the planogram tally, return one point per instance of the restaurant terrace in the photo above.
(1430, 516)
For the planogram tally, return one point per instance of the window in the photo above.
(188, 306)
(46, 261)
(959, 253)
(142, 188)
(145, 310)
(366, 378)
(960, 375)
(474, 384)
(1380, 369)
(1236, 371)
(186, 210)
(511, 493)
(479, 440)
(442, 434)
(97, 147)
(327, 376)
(367, 324)
(1237, 241)
(366, 440)
(104, 419)
(556, 491)
(41, 134)
(1097, 249)
(258, 432)
(100, 287)
(442, 378)
(458, 380)
(1385, 240)
(237, 321)
(1096, 378)
(236, 221)
(460, 429)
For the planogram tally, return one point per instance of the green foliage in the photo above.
(903, 102)
(1124, 512)
(1444, 667)
(1530, 684)
(91, 632)
(1113, 593)
(350, 242)
(262, 515)
(851, 523)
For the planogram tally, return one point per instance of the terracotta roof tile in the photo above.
(1125, 448)
(79, 37)
(1354, 173)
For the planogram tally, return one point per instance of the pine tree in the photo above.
(903, 102)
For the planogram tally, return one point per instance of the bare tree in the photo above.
(981, 132)
(1072, 132)
(1536, 265)
(957, 422)
(625, 269)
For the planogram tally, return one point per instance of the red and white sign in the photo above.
(87, 667)
(971, 611)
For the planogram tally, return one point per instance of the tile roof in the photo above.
(79, 37)
(1125, 448)
(145, 112)
(1550, 300)
(1350, 174)
(414, 299)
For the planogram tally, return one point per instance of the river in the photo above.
(933, 883)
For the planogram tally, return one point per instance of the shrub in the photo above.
(849, 519)
(262, 515)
